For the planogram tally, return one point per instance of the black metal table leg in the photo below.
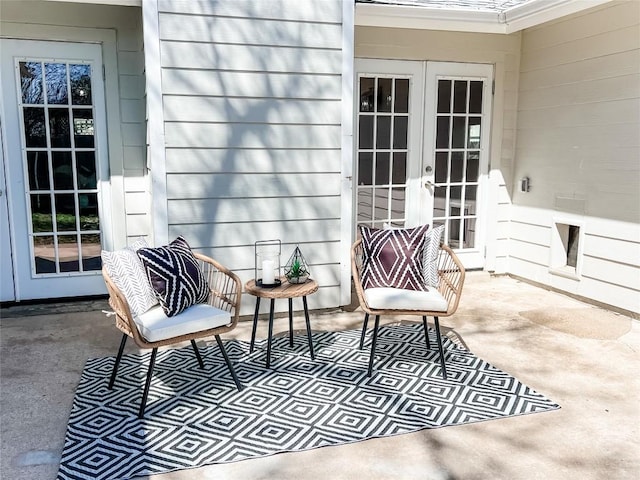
(255, 325)
(273, 302)
(291, 322)
(306, 318)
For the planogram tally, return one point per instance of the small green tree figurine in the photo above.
(296, 269)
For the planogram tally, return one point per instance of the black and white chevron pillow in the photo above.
(393, 258)
(126, 270)
(431, 252)
(175, 275)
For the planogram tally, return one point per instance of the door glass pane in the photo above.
(44, 252)
(470, 193)
(41, 214)
(31, 82)
(444, 96)
(442, 132)
(365, 131)
(439, 201)
(455, 204)
(384, 95)
(365, 168)
(59, 128)
(460, 96)
(383, 132)
(454, 232)
(399, 173)
(474, 133)
(56, 81)
(459, 132)
(34, 130)
(65, 212)
(442, 167)
(367, 94)
(457, 166)
(381, 204)
(80, 78)
(62, 171)
(86, 170)
(400, 125)
(473, 166)
(88, 203)
(68, 253)
(91, 248)
(398, 203)
(402, 96)
(365, 205)
(469, 233)
(383, 169)
(83, 127)
(475, 97)
(38, 167)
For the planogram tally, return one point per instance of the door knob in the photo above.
(428, 184)
(429, 169)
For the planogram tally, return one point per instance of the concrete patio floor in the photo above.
(583, 357)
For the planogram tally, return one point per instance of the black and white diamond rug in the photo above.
(197, 417)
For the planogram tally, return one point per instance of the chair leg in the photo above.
(197, 352)
(373, 344)
(229, 364)
(118, 358)
(147, 384)
(364, 330)
(426, 331)
(444, 369)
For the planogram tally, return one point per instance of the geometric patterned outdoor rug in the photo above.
(197, 417)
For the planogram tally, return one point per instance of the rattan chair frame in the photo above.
(225, 293)
(451, 275)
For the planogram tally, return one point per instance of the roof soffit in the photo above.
(484, 16)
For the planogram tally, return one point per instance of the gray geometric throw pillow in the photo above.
(126, 270)
(430, 259)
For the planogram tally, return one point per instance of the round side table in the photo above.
(285, 290)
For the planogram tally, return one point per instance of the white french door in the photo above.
(456, 159)
(389, 142)
(54, 131)
(422, 148)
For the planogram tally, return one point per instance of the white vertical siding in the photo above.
(127, 163)
(252, 111)
(503, 51)
(578, 140)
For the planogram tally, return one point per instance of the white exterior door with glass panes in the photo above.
(55, 142)
(389, 143)
(456, 158)
(422, 148)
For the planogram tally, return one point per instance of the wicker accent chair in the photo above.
(451, 275)
(223, 307)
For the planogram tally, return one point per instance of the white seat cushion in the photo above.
(399, 299)
(154, 325)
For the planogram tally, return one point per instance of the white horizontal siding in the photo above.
(251, 84)
(218, 210)
(284, 10)
(252, 110)
(248, 135)
(254, 31)
(243, 186)
(255, 110)
(254, 58)
(229, 160)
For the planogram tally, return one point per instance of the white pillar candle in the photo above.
(268, 277)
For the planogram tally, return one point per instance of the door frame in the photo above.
(7, 280)
(114, 232)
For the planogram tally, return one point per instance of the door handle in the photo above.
(428, 184)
